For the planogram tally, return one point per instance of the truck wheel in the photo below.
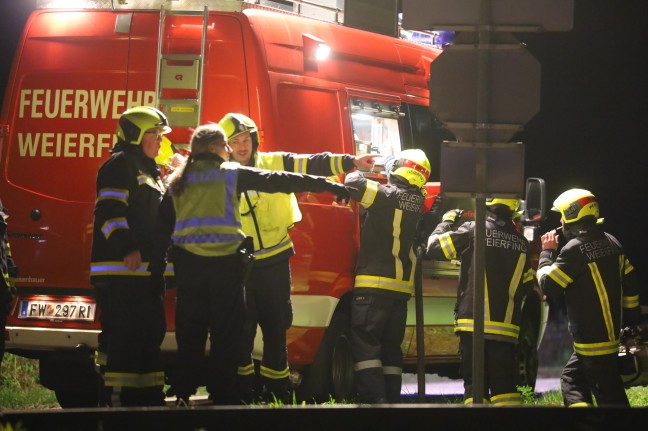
(527, 353)
(72, 378)
(72, 399)
(331, 375)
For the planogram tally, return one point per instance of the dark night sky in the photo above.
(592, 129)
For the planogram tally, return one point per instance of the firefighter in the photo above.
(384, 273)
(208, 233)
(600, 291)
(130, 240)
(9, 273)
(268, 218)
(508, 280)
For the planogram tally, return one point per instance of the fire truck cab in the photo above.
(76, 70)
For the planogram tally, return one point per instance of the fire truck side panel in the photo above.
(58, 138)
(76, 71)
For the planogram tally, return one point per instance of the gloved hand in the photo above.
(627, 333)
(341, 192)
(452, 216)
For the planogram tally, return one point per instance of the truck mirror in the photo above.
(535, 209)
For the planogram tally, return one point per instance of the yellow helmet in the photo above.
(413, 166)
(135, 121)
(235, 124)
(575, 204)
(511, 204)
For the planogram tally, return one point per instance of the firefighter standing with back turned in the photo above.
(601, 292)
(508, 280)
(208, 234)
(384, 274)
(268, 218)
(130, 240)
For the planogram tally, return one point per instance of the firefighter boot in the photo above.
(393, 385)
(278, 391)
(370, 385)
(246, 389)
(152, 396)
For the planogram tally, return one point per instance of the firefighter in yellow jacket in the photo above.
(268, 218)
(208, 233)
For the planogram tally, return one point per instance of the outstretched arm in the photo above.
(286, 182)
(326, 164)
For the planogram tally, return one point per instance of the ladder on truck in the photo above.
(178, 86)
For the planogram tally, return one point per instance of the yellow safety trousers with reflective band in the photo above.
(503, 400)
(274, 374)
(208, 221)
(247, 370)
(134, 380)
(471, 400)
(275, 213)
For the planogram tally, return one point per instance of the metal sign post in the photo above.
(484, 88)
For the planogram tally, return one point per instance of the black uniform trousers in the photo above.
(377, 330)
(268, 305)
(599, 375)
(133, 326)
(210, 300)
(500, 366)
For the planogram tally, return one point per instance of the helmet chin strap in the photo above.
(573, 230)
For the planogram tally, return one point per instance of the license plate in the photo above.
(57, 310)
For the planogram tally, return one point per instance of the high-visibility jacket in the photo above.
(268, 217)
(508, 274)
(208, 220)
(127, 216)
(600, 289)
(386, 260)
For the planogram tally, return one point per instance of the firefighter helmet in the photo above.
(235, 124)
(413, 166)
(135, 121)
(576, 204)
(511, 204)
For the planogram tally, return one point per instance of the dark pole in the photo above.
(420, 334)
(482, 138)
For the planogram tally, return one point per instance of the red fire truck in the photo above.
(76, 70)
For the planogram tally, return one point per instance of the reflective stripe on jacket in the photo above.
(274, 213)
(508, 274)
(208, 222)
(600, 288)
(128, 216)
(386, 261)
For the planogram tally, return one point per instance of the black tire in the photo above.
(76, 399)
(331, 375)
(72, 378)
(527, 353)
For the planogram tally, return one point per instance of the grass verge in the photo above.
(19, 387)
